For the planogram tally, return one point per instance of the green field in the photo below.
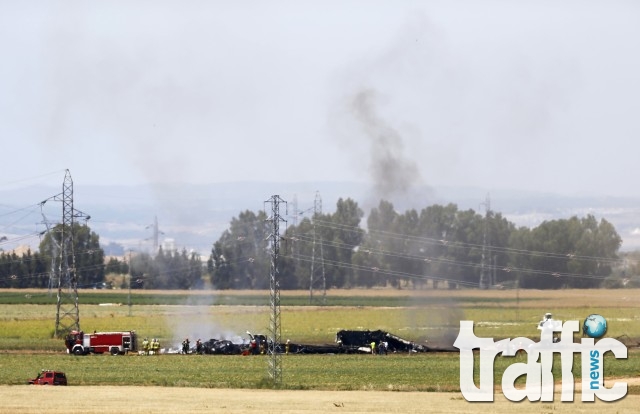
(27, 344)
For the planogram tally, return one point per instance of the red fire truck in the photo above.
(116, 343)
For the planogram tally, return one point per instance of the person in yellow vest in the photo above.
(155, 345)
(145, 346)
(373, 348)
(286, 347)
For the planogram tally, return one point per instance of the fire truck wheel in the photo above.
(77, 351)
(115, 351)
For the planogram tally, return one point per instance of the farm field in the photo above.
(239, 383)
(159, 400)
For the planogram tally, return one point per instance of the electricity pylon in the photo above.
(67, 313)
(275, 331)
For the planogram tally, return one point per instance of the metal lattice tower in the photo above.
(295, 213)
(275, 331)
(317, 280)
(67, 314)
(156, 235)
(484, 283)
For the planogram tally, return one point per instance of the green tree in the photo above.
(575, 253)
(242, 247)
(89, 256)
(343, 236)
(298, 252)
(436, 225)
(374, 259)
(218, 267)
(116, 266)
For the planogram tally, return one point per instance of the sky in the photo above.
(529, 95)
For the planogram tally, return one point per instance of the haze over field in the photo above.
(194, 216)
(529, 102)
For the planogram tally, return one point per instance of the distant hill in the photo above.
(194, 216)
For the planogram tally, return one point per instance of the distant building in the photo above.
(168, 245)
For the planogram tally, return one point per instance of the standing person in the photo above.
(286, 347)
(373, 348)
(145, 346)
(198, 346)
(185, 346)
(155, 346)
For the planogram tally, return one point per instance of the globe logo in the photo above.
(595, 326)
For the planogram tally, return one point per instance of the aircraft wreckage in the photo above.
(347, 342)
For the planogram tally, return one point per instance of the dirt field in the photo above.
(107, 399)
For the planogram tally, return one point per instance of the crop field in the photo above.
(27, 321)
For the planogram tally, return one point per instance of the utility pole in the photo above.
(313, 280)
(129, 297)
(275, 331)
(483, 271)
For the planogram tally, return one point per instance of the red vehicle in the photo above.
(116, 343)
(47, 377)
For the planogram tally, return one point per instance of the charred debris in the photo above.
(347, 342)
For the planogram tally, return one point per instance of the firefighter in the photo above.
(198, 346)
(373, 348)
(185, 346)
(70, 341)
(155, 345)
(145, 346)
(286, 347)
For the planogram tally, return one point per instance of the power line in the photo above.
(31, 178)
(441, 260)
(427, 241)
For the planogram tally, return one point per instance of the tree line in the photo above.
(43, 269)
(439, 246)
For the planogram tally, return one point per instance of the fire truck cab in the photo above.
(116, 343)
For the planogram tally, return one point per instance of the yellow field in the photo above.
(108, 399)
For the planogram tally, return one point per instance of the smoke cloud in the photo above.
(394, 174)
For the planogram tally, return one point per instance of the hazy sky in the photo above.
(533, 95)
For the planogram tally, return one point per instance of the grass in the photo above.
(416, 372)
(254, 298)
(27, 344)
(336, 372)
